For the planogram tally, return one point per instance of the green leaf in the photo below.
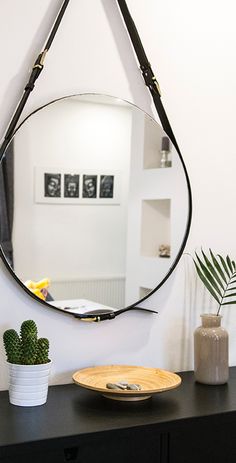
(206, 282)
(212, 270)
(230, 295)
(224, 265)
(217, 266)
(234, 265)
(229, 303)
(229, 264)
(231, 282)
(208, 276)
(230, 289)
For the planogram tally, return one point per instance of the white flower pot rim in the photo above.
(18, 365)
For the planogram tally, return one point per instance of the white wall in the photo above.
(191, 46)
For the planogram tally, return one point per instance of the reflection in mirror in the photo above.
(98, 203)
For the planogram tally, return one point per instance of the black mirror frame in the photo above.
(135, 305)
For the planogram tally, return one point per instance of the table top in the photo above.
(73, 411)
(80, 306)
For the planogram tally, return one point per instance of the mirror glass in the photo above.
(96, 199)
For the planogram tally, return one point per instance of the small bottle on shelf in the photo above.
(165, 150)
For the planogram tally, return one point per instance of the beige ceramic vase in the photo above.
(211, 351)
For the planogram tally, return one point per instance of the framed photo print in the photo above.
(52, 185)
(90, 186)
(106, 189)
(48, 185)
(71, 185)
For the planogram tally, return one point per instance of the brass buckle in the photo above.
(149, 78)
(156, 84)
(40, 64)
(90, 319)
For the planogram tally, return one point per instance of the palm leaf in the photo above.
(230, 289)
(229, 303)
(206, 282)
(230, 295)
(208, 276)
(212, 270)
(218, 274)
(217, 266)
(229, 264)
(224, 265)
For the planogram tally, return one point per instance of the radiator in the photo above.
(108, 291)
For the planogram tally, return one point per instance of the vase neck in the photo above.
(211, 320)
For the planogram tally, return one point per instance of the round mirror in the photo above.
(95, 203)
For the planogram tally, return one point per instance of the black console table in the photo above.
(193, 423)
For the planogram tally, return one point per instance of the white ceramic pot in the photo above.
(28, 384)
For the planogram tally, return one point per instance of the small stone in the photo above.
(111, 386)
(122, 386)
(123, 383)
(116, 386)
(134, 387)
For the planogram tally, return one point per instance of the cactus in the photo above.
(28, 327)
(26, 349)
(12, 346)
(42, 351)
(29, 350)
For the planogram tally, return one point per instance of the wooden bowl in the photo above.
(151, 380)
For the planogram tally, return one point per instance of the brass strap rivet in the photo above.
(157, 85)
(43, 56)
(40, 66)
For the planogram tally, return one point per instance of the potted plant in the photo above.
(218, 274)
(29, 365)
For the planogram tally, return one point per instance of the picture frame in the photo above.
(56, 185)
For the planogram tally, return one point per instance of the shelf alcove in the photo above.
(155, 226)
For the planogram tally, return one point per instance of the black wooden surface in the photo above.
(191, 423)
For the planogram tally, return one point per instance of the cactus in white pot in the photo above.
(29, 365)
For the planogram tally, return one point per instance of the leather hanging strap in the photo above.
(147, 72)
